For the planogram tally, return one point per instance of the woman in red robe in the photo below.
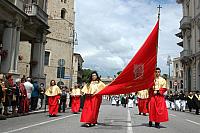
(92, 102)
(143, 98)
(53, 93)
(157, 105)
(24, 106)
(75, 95)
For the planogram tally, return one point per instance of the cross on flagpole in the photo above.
(159, 7)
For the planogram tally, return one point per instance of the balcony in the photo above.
(186, 53)
(185, 23)
(186, 56)
(33, 10)
(180, 43)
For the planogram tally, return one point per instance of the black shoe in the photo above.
(157, 125)
(87, 125)
(144, 114)
(139, 113)
(150, 124)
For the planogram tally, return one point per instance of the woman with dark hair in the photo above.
(92, 102)
(53, 93)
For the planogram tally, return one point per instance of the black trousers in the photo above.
(34, 101)
(62, 105)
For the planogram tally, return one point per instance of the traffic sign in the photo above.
(67, 77)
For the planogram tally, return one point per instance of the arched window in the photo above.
(63, 12)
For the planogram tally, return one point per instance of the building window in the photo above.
(65, 1)
(176, 65)
(60, 72)
(61, 0)
(63, 12)
(46, 58)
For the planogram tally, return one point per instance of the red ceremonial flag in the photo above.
(139, 73)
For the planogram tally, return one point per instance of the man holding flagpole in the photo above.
(157, 105)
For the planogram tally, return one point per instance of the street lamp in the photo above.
(74, 41)
(169, 62)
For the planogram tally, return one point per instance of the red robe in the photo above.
(24, 102)
(53, 104)
(75, 104)
(87, 112)
(97, 99)
(142, 105)
(92, 102)
(157, 107)
(90, 110)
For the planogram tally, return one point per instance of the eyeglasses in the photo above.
(157, 71)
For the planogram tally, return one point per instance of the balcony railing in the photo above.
(186, 53)
(35, 10)
(185, 22)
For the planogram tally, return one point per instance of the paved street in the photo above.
(112, 119)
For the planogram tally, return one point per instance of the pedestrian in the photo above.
(53, 93)
(34, 95)
(177, 101)
(196, 101)
(41, 95)
(29, 88)
(171, 100)
(182, 101)
(9, 99)
(1, 97)
(130, 101)
(190, 102)
(143, 98)
(157, 105)
(23, 99)
(92, 102)
(76, 95)
(63, 99)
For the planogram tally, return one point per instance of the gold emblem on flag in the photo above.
(138, 71)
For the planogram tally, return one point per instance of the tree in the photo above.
(86, 74)
(119, 72)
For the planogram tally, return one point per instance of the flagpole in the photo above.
(159, 7)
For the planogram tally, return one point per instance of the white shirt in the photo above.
(29, 88)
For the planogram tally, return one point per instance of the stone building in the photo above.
(176, 80)
(23, 23)
(60, 43)
(190, 33)
(77, 69)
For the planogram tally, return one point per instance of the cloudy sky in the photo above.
(110, 32)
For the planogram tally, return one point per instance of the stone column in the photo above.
(37, 59)
(17, 48)
(7, 45)
(13, 48)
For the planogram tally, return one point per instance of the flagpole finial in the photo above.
(159, 7)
